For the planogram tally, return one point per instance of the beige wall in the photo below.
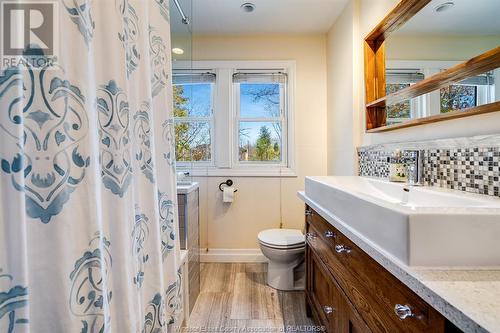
(364, 20)
(257, 204)
(458, 48)
(340, 64)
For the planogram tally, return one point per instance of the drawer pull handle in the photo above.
(328, 309)
(403, 311)
(342, 249)
(309, 212)
(311, 236)
(330, 234)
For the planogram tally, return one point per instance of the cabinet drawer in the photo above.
(371, 288)
(322, 290)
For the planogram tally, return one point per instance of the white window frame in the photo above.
(211, 120)
(225, 136)
(283, 119)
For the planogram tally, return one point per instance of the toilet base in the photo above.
(282, 276)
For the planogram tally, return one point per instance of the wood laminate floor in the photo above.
(235, 298)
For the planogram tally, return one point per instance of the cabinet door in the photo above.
(321, 292)
(347, 319)
(353, 321)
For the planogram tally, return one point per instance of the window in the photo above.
(471, 92)
(395, 81)
(235, 119)
(400, 111)
(474, 91)
(193, 116)
(456, 97)
(260, 116)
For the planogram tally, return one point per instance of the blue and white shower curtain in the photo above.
(87, 183)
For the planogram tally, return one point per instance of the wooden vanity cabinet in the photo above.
(189, 234)
(348, 291)
(326, 301)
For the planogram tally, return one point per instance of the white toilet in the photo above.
(285, 250)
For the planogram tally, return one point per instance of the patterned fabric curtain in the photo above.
(87, 184)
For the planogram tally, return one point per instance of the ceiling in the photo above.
(270, 16)
(466, 17)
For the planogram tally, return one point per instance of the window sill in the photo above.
(199, 171)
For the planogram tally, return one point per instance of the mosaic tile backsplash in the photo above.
(467, 168)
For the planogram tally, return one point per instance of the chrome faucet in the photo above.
(414, 160)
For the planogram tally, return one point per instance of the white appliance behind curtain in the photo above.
(88, 214)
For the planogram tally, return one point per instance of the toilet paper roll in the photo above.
(228, 194)
(183, 178)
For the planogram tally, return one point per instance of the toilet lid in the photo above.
(281, 237)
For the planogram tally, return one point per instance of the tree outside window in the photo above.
(260, 126)
(192, 113)
(400, 110)
(457, 97)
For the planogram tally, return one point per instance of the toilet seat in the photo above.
(282, 238)
(286, 247)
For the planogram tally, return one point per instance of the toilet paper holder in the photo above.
(228, 182)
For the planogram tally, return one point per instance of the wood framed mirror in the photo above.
(430, 61)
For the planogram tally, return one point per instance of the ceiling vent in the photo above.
(444, 6)
(247, 7)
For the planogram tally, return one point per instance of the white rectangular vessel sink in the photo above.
(420, 226)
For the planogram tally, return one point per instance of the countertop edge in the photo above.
(187, 188)
(400, 271)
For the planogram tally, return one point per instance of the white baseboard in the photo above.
(232, 255)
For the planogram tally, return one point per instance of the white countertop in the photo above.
(187, 188)
(469, 298)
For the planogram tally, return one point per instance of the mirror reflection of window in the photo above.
(456, 97)
(472, 92)
(396, 80)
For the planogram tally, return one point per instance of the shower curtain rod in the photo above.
(185, 19)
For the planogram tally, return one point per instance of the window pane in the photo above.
(259, 100)
(260, 141)
(395, 87)
(456, 97)
(399, 110)
(193, 100)
(192, 141)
